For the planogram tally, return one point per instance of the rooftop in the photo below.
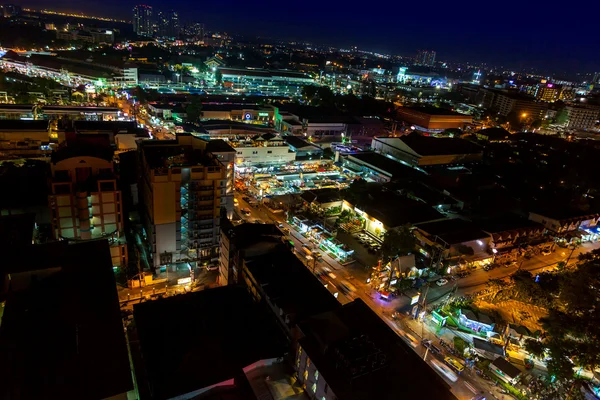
(298, 143)
(506, 367)
(106, 126)
(508, 223)
(563, 214)
(394, 168)
(287, 283)
(393, 210)
(431, 110)
(217, 331)
(484, 345)
(453, 231)
(360, 357)
(62, 337)
(169, 153)
(23, 125)
(219, 146)
(322, 195)
(431, 146)
(79, 148)
(263, 73)
(495, 133)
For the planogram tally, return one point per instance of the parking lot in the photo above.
(362, 253)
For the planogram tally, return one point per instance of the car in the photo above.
(441, 282)
(246, 211)
(317, 254)
(546, 252)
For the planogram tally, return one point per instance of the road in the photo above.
(468, 384)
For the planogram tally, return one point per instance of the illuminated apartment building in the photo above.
(85, 201)
(184, 185)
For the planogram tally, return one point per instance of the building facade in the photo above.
(185, 185)
(142, 20)
(85, 201)
(581, 117)
(262, 150)
(425, 57)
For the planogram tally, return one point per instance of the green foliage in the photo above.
(218, 76)
(573, 324)
(561, 117)
(194, 109)
(535, 347)
(309, 92)
(460, 345)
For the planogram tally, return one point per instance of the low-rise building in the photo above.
(304, 150)
(383, 210)
(454, 241)
(566, 224)
(262, 150)
(505, 371)
(350, 353)
(22, 138)
(239, 242)
(227, 335)
(431, 119)
(61, 318)
(479, 322)
(417, 150)
(379, 168)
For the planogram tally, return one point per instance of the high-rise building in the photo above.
(547, 92)
(185, 183)
(142, 20)
(167, 24)
(582, 117)
(84, 200)
(9, 10)
(425, 57)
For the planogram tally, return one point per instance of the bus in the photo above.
(454, 363)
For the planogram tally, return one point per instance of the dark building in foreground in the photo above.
(204, 342)
(350, 353)
(61, 333)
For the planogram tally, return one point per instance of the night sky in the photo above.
(555, 36)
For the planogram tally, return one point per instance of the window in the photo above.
(255, 152)
(314, 387)
(316, 376)
(269, 151)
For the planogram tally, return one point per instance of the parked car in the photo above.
(546, 252)
(441, 282)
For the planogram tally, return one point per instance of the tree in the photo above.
(194, 109)
(495, 285)
(325, 96)
(397, 242)
(309, 92)
(561, 117)
(535, 347)
(218, 76)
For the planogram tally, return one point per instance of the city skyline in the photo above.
(487, 35)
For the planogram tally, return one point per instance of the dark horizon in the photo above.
(514, 34)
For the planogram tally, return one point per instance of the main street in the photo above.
(467, 384)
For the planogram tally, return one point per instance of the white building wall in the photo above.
(248, 156)
(165, 241)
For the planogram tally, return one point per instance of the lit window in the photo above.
(316, 376)
(314, 387)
